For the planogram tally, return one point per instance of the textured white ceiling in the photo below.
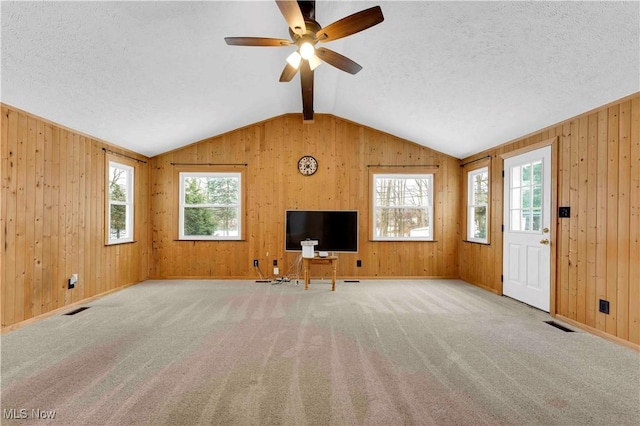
(458, 77)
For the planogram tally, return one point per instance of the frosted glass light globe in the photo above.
(307, 50)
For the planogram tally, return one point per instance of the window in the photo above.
(478, 205)
(403, 207)
(210, 206)
(120, 203)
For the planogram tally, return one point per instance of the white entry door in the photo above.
(527, 225)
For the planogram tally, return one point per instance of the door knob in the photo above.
(545, 230)
(545, 241)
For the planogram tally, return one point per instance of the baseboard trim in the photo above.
(318, 277)
(599, 333)
(203, 277)
(484, 287)
(57, 311)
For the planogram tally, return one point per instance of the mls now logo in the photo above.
(21, 414)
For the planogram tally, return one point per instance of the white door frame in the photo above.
(553, 235)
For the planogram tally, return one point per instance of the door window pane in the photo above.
(537, 172)
(526, 197)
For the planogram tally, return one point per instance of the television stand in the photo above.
(329, 260)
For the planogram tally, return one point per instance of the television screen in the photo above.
(335, 231)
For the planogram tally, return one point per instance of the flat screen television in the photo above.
(335, 230)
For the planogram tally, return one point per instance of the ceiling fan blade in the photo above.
(337, 60)
(256, 41)
(351, 24)
(288, 73)
(292, 14)
(306, 81)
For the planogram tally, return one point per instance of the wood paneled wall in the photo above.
(52, 219)
(53, 200)
(597, 248)
(271, 150)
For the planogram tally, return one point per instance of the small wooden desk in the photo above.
(329, 260)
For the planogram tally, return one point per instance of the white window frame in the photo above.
(428, 208)
(471, 204)
(239, 206)
(129, 202)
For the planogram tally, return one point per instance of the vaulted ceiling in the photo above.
(457, 77)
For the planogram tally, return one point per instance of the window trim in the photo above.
(468, 170)
(220, 172)
(400, 174)
(130, 216)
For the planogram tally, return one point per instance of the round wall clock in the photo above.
(307, 165)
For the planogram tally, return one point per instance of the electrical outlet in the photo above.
(604, 306)
(275, 262)
(255, 263)
(564, 211)
(72, 281)
(276, 271)
(359, 263)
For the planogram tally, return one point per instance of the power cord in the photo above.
(296, 266)
(262, 277)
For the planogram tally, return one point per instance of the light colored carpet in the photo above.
(371, 353)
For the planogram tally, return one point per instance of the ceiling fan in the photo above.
(305, 33)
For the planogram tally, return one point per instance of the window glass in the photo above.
(120, 203)
(478, 204)
(526, 197)
(403, 207)
(210, 207)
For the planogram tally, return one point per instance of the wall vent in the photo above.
(559, 326)
(77, 311)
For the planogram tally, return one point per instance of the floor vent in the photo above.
(559, 327)
(76, 311)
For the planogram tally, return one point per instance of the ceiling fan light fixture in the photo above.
(314, 62)
(294, 59)
(305, 33)
(307, 50)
